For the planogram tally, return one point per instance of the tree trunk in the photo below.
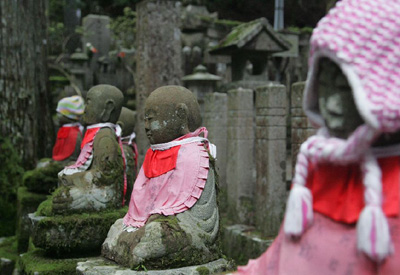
(24, 98)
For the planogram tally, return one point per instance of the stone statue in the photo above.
(342, 215)
(127, 121)
(43, 178)
(173, 217)
(96, 180)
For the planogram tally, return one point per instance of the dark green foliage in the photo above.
(8, 248)
(124, 29)
(10, 178)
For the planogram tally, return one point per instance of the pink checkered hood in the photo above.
(363, 38)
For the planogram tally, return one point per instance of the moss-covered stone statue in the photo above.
(173, 217)
(44, 177)
(96, 180)
(127, 121)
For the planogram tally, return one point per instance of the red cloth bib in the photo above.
(338, 191)
(159, 162)
(89, 135)
(65, 143)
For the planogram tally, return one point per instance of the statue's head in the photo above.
(127, 120)
(70, 109)
(170, 112)
(103, 104)
(335, 100)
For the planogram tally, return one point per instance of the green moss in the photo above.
(8, 248)
(203, 270)
(43, 180)
(45, 208)
(76, 234)
(36, 262)
(237, 34)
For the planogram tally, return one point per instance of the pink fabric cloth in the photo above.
(327, 247)
(173, 192)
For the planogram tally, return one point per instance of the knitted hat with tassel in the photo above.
(363, 38)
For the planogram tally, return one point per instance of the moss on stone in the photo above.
(202, 270)
(45, 208)
(8, 248)
(76, 234)
(36, 262)
(43, 180)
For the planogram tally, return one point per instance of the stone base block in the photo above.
(43, 179)
(36, 262)
(241, 243)
(78, 234)
(27, 203)
(8, 255)
(101, 266)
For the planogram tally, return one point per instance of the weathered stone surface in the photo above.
(78, 234)
(189, 238)
(97, 32)
(159, 63)
(27, 203)
(36, 262)
(242, 242)
(101, 266)
(301, 127)
(215, 119)
(240, 176)
(6, 266)
(270, 159)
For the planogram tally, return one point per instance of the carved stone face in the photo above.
(336, 102)
(169, 113)
(93, 109)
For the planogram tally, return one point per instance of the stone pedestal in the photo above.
(301, 127)
(27, 202)
(240, 176)
(78, 234)
(158, 56)
(102, 266)
(215, 119)
(270, 157)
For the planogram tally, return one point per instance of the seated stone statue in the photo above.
(173, 217)
(66, 148)
(96, 180)
(127, 122)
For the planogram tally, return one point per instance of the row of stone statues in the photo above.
(173, 217)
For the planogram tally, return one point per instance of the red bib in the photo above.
(89, 135)
(65, 143)
(159, 162)
(338, 191)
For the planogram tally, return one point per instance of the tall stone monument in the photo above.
(158, 46)
(240, 157)
(270, 158)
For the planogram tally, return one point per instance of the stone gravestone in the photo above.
(270, 157)
(240, 157)
(215, 120)
(301, 127)
(72, 19)
(158, 55)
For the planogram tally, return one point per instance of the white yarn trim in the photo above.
(168, 145)
(83, 167)
(81, 128)
(130, 138)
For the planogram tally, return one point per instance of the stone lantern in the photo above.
(79, 68)
(201, 83)
(251, 46)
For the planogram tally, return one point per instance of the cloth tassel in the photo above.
(373, 235)
(299, 212)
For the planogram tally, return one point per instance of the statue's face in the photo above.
(94, 107)
(161, 123)
(336, 102)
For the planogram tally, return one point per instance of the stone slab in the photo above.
(78, 234)
(241, 243)
(101, 266)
